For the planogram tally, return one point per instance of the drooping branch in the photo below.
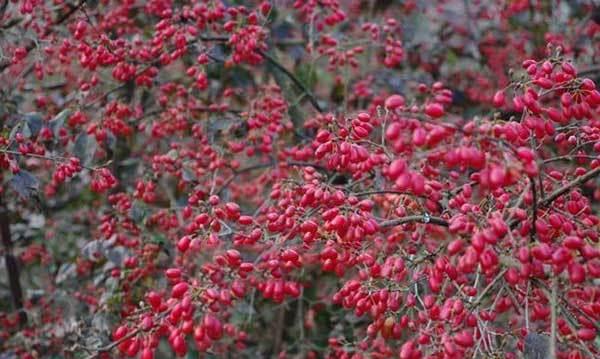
(562, 299)
(305, 91)
(311, 98)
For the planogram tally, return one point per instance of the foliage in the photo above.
(334, 178)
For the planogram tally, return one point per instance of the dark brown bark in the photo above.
(12, 267)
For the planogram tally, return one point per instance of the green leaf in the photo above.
(92, 250)
(58, 121)
(138, 212)
(25, 184)
(116, 255)
(451, 58)
(66, 271)
(13, 132)
(34, 122)
(159, 239)
(85, 148)
(188, 175)
(173, 154)
(307, 74)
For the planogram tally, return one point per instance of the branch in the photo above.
(266, 165)
(416, 218)
(69, 13)
(112, 345)
(564, 189)
(553, 308)
(239, 172)
(549, 292)
(3, 8)
(569, 158)
(48, 31)
(533, 230)
(400, 193)
(489, 287)
(58, 159)
(214, 38)
(311, 98)
(278, 330)
(589, 71)
(12, 267)
(567, 303)
(547, 201)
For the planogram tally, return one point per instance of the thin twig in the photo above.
(546, 289)
(239, 172)
(569, 158)
(532, 231)
(311, 98)
(553, 308)
(48, 158)
(112, 345)
(489, 287)
(547, 201)
(589, 71)
(275, 63)
(265, 165)
(368, 193)
(416, 218)
(564, 189)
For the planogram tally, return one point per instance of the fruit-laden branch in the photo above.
(57, 159)
(12, 267)
(98, 351)
(564, 189)
(266, 165)
(540, 204)
(48, 31)
(416, 218)
(547, 201)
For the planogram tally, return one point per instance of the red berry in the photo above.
(179, 290)
(434, 110)
(394, 101)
